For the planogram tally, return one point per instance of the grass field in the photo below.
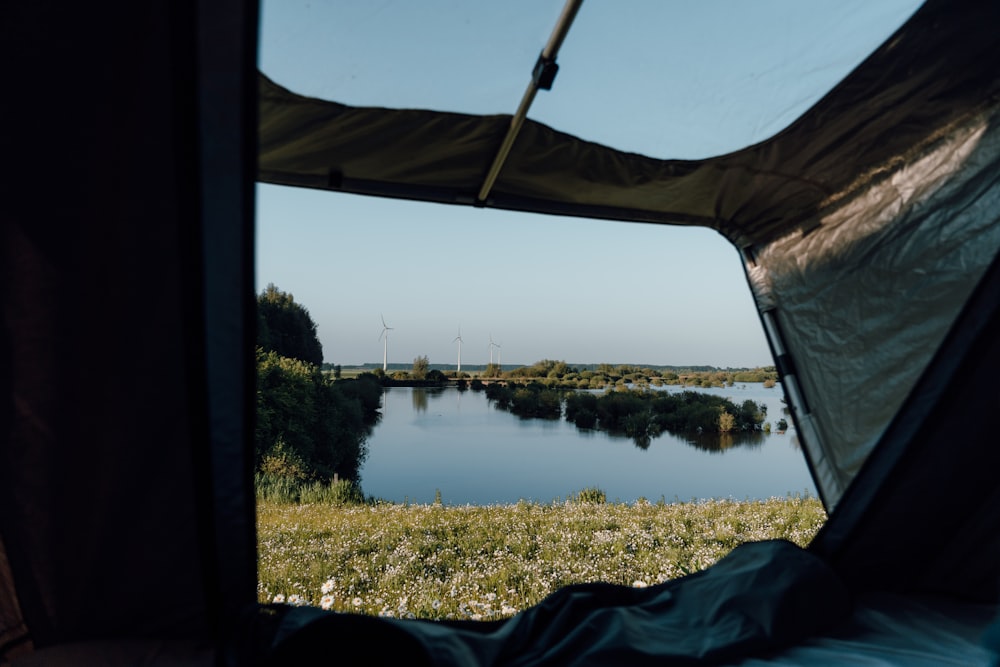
(485, 562)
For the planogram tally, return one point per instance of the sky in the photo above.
(668, 80)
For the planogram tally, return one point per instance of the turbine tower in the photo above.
(492, 345)
(498, 356)
(385, 346)
(458, 338)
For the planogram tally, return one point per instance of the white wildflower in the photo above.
(279, 599)
(326, 602)
(327, 586)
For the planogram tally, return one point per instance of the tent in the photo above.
(869, 231)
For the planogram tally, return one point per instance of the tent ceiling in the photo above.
(667, 80)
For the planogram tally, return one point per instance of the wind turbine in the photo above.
(385, 347)
(498, 355)
(492, 345)
(459, 339)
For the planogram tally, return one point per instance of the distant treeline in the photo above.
(637, 414)
(587, 376)
(479, 368)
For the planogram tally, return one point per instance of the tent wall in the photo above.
(227, 113)
(923, 515)
(124, 503)
(861, 302)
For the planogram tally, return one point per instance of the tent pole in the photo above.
(828, 484)
(541, 77)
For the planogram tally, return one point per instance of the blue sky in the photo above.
(677, 80)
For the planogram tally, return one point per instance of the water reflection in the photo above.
(482, 455)
(421, 396)
(705, 420)
(721, 442)
(706, 442)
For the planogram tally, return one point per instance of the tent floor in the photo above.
(892, 630)
(122, 653)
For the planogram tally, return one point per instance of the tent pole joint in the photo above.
(545, 72)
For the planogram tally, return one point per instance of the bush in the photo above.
(592, 494)
(726, 422)
(281, 461)
(308, 425)
(366, 389)
(581, 409)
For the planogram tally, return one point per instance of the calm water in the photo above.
(459, 443)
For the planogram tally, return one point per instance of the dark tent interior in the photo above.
(869, 228)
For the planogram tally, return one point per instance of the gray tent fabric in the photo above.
(865, 224)
(913, 245)
(922, 514)
(885, 630)
(126, 324)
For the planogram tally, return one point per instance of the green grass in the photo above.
(481, 562)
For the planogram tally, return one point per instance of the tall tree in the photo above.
(286, 328)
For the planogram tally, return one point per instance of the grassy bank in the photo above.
(482, 562)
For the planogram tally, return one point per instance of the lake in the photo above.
(459, 443)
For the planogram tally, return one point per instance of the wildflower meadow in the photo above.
(441, 561)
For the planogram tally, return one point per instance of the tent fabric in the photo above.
(869, 229)
(847, 201)
(881, 630)
(124, 504)
(889, 630)
(758, 597)
(115, 653)
(914, 244)
(924, 513)
(833, 150)
(14, 634)
(82, 303)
